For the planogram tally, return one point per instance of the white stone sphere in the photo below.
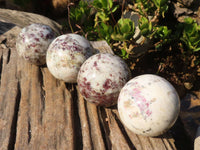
(148, 105)
(66, 54)
(33, 41)
(101, 78)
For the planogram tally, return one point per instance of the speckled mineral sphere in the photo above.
(148, 105)
(33, 41)
(66, 54)
(101, 78)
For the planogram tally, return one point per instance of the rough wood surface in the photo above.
(23, 19)
(38, 112)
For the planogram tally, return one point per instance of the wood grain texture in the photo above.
(23, 19)
(38, 111)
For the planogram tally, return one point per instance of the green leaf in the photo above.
(194, 39)
(145, 26)
(144, 31)
(124, 54)
(189, 20)
(110, 4)
(156, 2)
(125, 25)
(117, 37)
(160, 3)
(197, 49)
(97, 4)
(104, 3)
(127, 36)
(163, 2)
(197, 41)
(102, 16)
(150, 26)
(143, 23)
(105, 31)
(123, 30)
(114, 8)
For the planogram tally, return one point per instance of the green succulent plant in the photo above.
(145, 26)
(104, 9)
(98, 20)
(191, 34)
(162, 6)
(123, 30)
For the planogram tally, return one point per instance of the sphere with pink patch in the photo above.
(101, 78)
(33, 41)
(66, 54)
(148, 105)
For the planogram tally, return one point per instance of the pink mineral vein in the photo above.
(141, 102)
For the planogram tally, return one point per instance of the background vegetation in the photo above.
(106, 20)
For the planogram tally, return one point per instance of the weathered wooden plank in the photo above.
(38, 111)
(84, 121)
(45, 119)
(9, 93)
(23, 19)
(101, 46)
(95, 127)
(117, 138)
(164, 142)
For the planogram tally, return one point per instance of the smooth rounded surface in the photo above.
(101, 78)
(66, 54)
(148, 105)
(33, 42)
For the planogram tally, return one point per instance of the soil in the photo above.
(172, 64)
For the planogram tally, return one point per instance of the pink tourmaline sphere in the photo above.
(148, 105)
(101, 78)
(66, 54)
(33, 42)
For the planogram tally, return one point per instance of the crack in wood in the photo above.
(150, 143)
(29, 130)
(4, 41)
(1, 67)
(142, 148)
(42, 93)
(13, 131)
(102, 130)
(78, 138)
(104, 127)
(123, 131)
(163, 140)
(88, 122)
(64, 97)
(8, 55)
(69, 86)
(8, 50)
